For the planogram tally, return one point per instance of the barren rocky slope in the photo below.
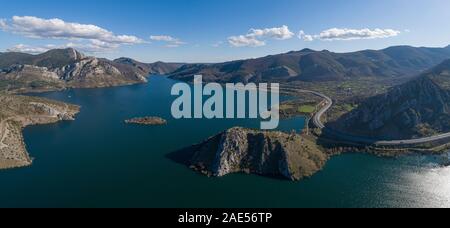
(67, 68)
(275, 154)
(18, 112)
(418, 108)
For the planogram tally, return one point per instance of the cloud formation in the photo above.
(169, 40)
(30, 49)
(93, 47)
(3, 24)
(349, 34)
(258, 37)
(98, 38)
(35, 27)
(303, 36)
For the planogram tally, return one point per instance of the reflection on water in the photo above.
(413, 181)
(429, 184)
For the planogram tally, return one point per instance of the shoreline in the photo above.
(21, 112)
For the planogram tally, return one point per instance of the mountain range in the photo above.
(310, 65)
(68, 68)
(418, 108)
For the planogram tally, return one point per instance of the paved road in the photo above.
(328, 103)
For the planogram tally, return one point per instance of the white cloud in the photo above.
(354, 34)
(171, 41)
(303, 36)
(162, 38)
(3, 24)
(257, 37)
(350, 34)
(245, 41)
(281, 33)
(97, 37)
(92, 47)
(30, 49)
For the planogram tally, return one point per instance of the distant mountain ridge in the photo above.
(67, 68)
(52, 59)
(161, 68)
(418, 108)
(310, 65)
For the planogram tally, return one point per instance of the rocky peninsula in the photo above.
(147, 121)
(18, 112)
(266, 153)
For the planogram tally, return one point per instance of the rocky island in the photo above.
(18, 112)
(239, 150)
(147, 121)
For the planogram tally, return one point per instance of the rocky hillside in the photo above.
(418, 108)
(160, 68)
(64, 68)
(309, 65)
(273, 154)
(18, 112)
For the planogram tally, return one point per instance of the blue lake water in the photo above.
(98, 161)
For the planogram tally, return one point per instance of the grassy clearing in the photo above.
(306, 109)
(348, 107)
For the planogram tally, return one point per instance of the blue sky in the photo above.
(203, 30)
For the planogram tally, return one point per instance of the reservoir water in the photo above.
(98, 161)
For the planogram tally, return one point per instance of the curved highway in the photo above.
(328, 103)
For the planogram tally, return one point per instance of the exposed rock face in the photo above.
(18, 112)
(313, 66)
(27, 78)
(52, 111)
(59, 69)
(93, 72)
(52, 59)
(22, 70)
(272, 154)
(418, 108)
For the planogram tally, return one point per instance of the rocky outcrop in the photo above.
(92, 72)
(274, 154)
(418, 108)
(23, 70)
(67, 68)
(18, 112)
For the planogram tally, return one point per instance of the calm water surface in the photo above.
(98, 161)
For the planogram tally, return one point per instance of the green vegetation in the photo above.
(302, 106)
(307, 109)
(348, 107)
(285, 107)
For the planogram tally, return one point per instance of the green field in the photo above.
(307, 109)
